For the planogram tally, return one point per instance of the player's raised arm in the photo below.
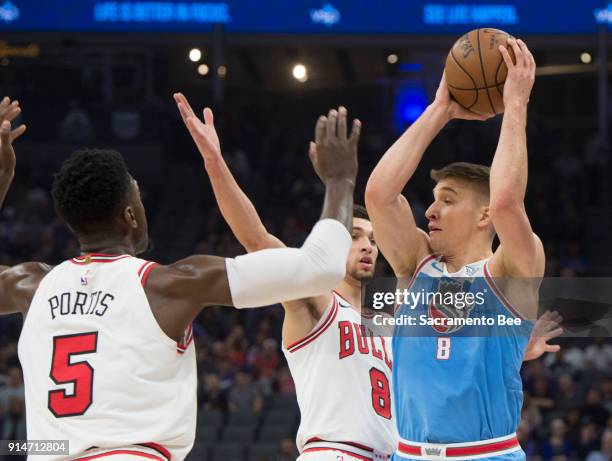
(521, 253)
(8, 111)
(281, 274)
(235, 206)
(388, 208)
(18, 283)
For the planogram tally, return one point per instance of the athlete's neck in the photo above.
(350, 289)
(468, 254)
(106, 246)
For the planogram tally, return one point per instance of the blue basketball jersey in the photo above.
(457, 384)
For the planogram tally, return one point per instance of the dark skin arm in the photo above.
(18, 283)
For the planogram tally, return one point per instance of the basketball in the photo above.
(476, 71)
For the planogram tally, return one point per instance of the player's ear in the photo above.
(130, 217)
(484, 217)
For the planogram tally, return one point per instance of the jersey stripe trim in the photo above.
(183, 345)
(465, 451)
(499, 294)
(346, 452)
(160, 449)
(354, 449)
(317, 331)
(352, 444)
(121, 452)
(144, 271)
(97, 258)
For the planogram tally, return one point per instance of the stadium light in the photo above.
(392, 58)
(300, 72)
(203, 69)
(195, 54)
(586, 58)
(222, 71)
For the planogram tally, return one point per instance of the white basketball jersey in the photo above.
(98, 369)
(342, 374)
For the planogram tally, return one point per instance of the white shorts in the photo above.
(327, 455)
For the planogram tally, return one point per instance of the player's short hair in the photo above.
(359, 211)
(91, 188)
(475, 174)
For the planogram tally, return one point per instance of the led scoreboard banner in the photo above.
(305, 16)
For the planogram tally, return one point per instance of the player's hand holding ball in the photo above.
(521, 75)
(334, 153)
(451, 108)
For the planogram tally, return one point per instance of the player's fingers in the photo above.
(183, 111)
(518, 53)
(355, 132)
(18, 132)
(5, 102)
(530, 59)
(552, 348)
(186, 104)
(5, 133)
(342, 123)
(312, 152)
(525, 52)
(506, 56)
(553, 334)
(209, 117)
(12, 112)
(332, 118)
(320, 129)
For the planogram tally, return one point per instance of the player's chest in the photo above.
(356, 342)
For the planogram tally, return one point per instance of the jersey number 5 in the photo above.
(79, 374)
(381, 394)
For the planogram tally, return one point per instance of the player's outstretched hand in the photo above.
(334, 153)
(452, 109)
(546, 328)
(521, 75)
(202, 131)
(8, 111)
(7, 154)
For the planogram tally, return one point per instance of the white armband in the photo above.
(283, 274)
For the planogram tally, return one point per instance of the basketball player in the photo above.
(341, 370)
(458, 395)
(106, 343)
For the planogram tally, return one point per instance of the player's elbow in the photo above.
(325, 273)
(373, 192)
(505, 203)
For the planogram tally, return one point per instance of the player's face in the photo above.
(455, 216)
(362, 256)
(141, 232)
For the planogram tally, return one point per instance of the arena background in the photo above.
(101, 74)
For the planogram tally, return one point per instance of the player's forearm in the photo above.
(508, 178)
(5, 184)
(338, 202)
(282, 274)
(236, 208)
(401, 160)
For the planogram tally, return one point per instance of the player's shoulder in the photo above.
(32, 269)
(500, 265)
(20, 282)
(199, 278)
